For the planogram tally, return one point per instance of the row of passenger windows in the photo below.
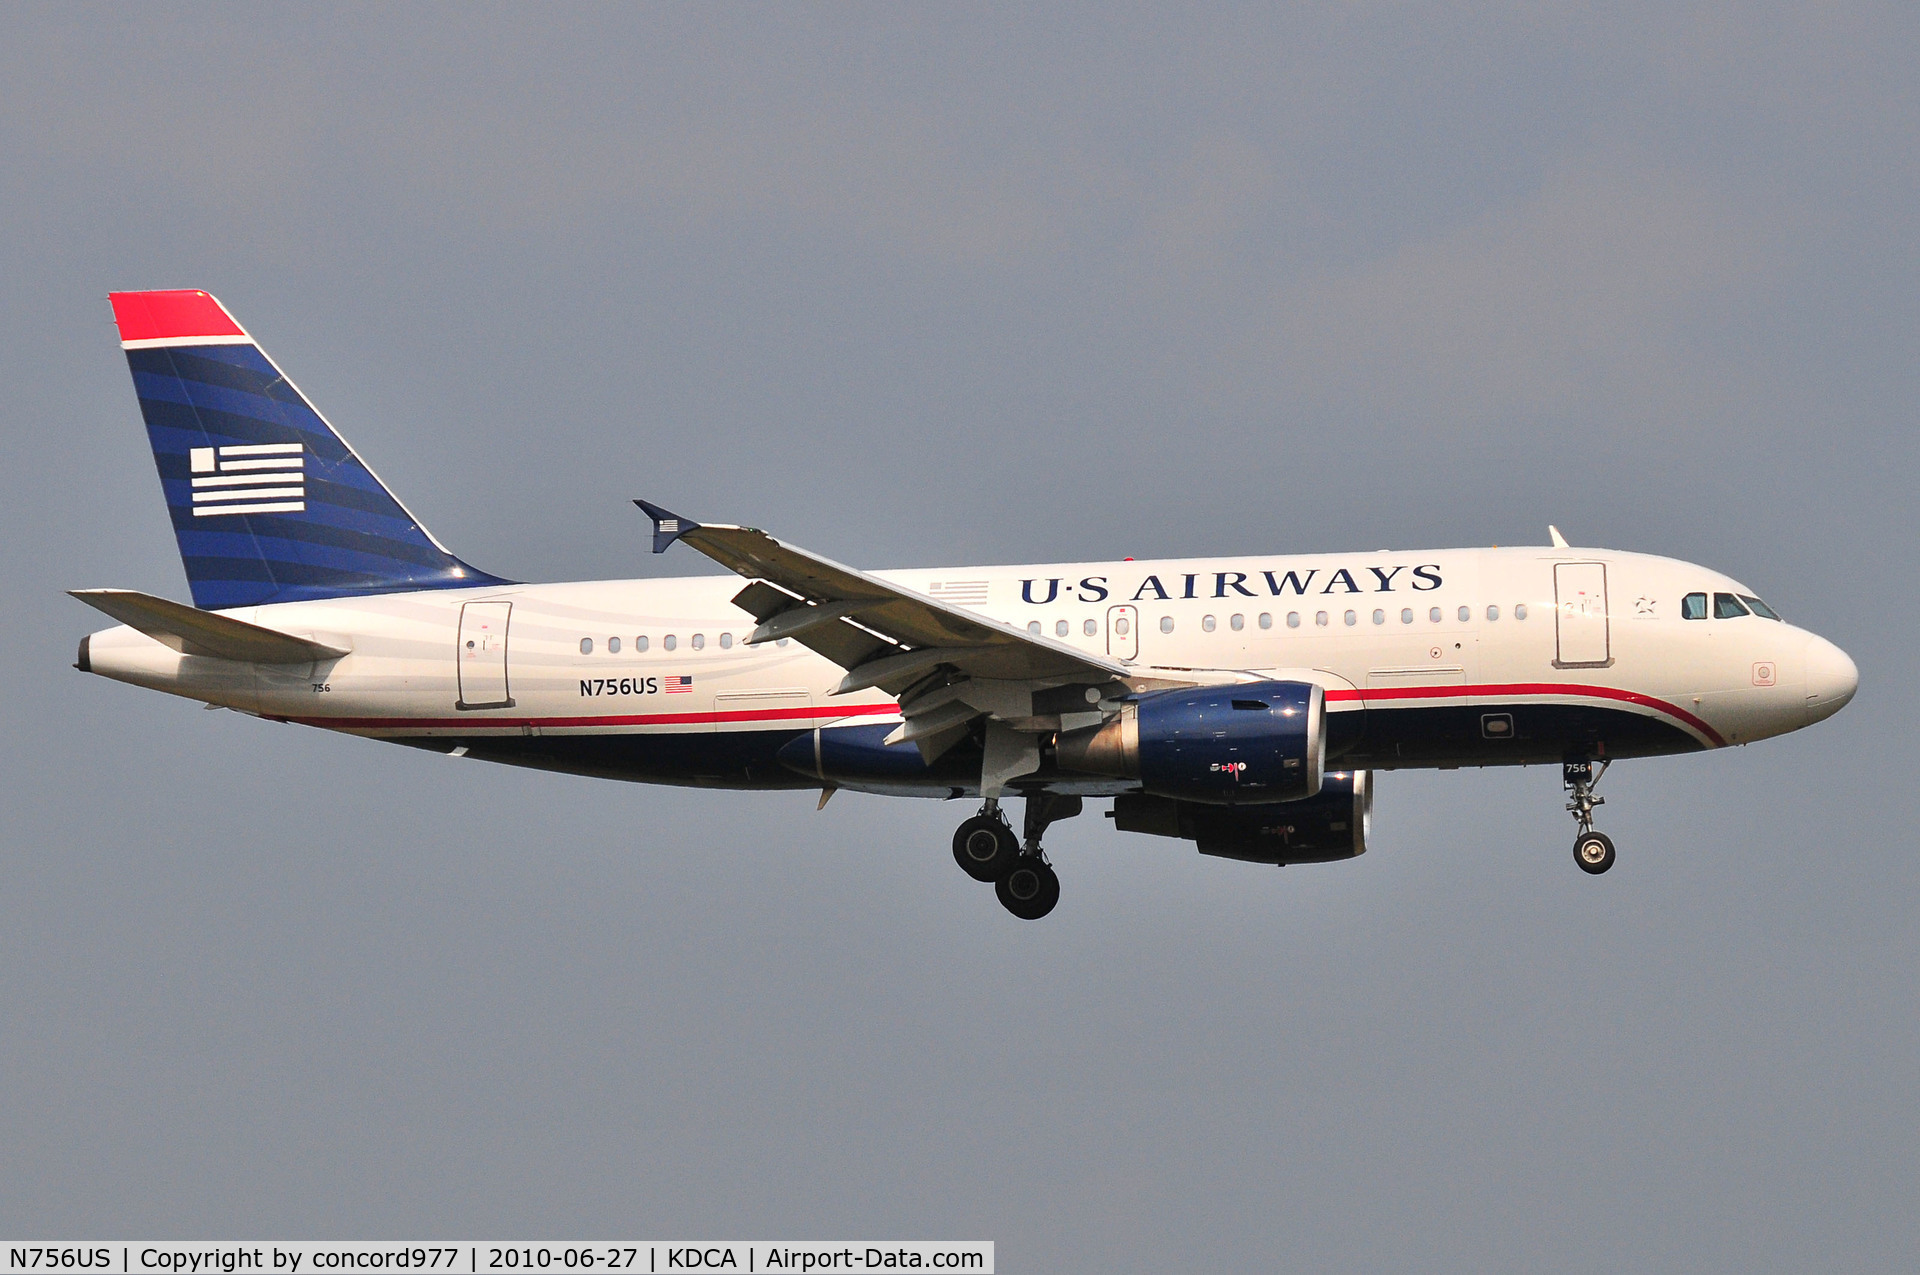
(668, 642)
(1726, 606)
(1321, 619)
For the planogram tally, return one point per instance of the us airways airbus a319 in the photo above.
(1241, 703)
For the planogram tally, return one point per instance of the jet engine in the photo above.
(1248, 744)
(1332, 824)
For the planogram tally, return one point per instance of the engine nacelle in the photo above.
(1330, 825)
(1251, 743)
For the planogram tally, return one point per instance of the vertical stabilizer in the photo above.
(269, 504)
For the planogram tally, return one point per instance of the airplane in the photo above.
(1241, 703)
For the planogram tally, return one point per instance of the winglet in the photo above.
(1559, 541)
(667, 527)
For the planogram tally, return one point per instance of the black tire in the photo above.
(985, 848)
(1029, 889)
(1593, 851)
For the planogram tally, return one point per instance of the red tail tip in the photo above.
(180, 314)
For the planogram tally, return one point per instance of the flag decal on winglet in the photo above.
(667, 525)
(251, 478)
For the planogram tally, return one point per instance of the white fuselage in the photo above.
(1421, 653)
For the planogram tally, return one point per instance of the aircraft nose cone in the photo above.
(1831, 679)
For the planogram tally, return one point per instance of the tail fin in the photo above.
(268, 503)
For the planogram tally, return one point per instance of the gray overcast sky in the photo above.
(917, 286)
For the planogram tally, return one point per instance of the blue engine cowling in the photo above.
(1330, 825)
(1246, 744)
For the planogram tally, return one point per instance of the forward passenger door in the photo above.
(1582, 631)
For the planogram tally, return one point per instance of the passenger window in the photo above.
(1759, 608)
(699, 641)
(1352, 619)
(1519, 610)
(1166, 624)
(1693, 607)
(640, 643)
(1727, 607)
(613, 646)
(1466, 614)
(1120, 626)
(1434, 615)
(1059, 628)
(1320, 618)
(1206, 624)
(1033, 627)
(1237, 623)
(669, 641)
(1379, 616)
(1293, 619)
(1266, 620)
(1406, 615)
(1090, 628)
(1493, 613)
(726, 641)
(586, 646)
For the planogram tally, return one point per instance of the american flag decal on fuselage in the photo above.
(674, 684)
(252, 478)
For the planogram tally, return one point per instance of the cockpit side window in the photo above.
(1760, 608)
(1693, 607)
(1727, 607)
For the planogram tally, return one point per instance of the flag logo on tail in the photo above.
(676, 685)
(252, 478)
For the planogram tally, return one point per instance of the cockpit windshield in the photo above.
(1760, 608)
(1727, 607)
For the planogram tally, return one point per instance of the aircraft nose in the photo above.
(1832, 679)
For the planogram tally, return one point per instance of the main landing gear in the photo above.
(986, 850)
(1593, 851)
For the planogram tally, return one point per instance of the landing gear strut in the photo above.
(1023, 880)
(1593, 851)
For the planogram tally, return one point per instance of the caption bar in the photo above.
(470, 1258)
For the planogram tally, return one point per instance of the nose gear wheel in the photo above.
(1593, 851)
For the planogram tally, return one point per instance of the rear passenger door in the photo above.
(482, 656)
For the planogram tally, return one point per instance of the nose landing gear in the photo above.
(986, 850)
(1593, 851)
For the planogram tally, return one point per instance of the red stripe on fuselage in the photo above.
(1502, 690)
(832, 712)
(838, 712)
(170, 316)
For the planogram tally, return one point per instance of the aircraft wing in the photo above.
(947, 665)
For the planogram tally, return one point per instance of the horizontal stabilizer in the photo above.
(192, 631)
